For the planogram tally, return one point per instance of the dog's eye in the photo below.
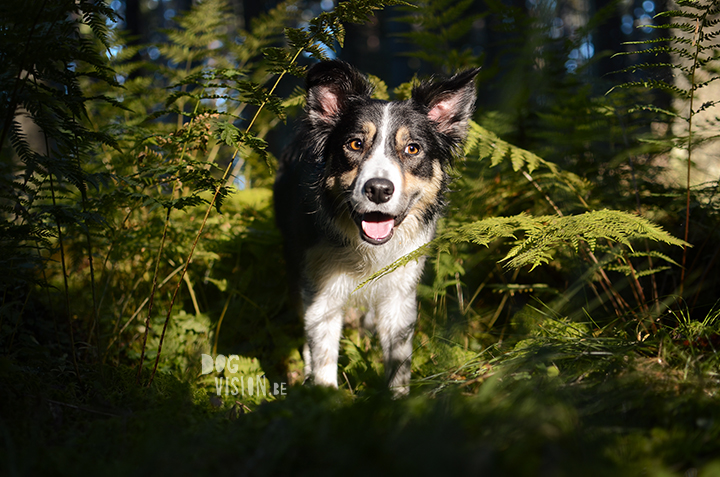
(356, 145)
(412, 149)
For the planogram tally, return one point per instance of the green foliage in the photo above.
(549, 338)
(693, 344)
(440, 26)
(694, 51)
(690, 43)
(541, 236)
(129, 157)
(570, 404)
(41, 81)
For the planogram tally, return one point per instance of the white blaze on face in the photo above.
(379, 166)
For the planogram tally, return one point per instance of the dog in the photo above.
(361, 186)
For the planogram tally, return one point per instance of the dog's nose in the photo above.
(379, 190)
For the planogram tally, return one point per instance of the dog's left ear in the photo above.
(450, 103)
(331, 86)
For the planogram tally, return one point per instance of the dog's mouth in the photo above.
(375, 227)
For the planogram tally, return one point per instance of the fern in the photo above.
(696, 53)
(49, 49)
(486, 145)
(482, 144)
(439, 28)
(541, 236)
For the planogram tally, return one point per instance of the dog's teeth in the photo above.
(378, 230)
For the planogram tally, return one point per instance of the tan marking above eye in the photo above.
(403, 141)
(412, 149)
(369, 129)
(355, 144)
(402, 136)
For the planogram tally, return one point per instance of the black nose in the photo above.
(379, 190)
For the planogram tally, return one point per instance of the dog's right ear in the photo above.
(331, 86)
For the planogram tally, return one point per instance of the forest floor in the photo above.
(548, 406)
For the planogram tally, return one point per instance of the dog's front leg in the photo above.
(396, 316)
(323, 327)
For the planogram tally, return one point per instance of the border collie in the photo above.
(361, 186)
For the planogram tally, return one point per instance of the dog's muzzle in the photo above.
(377, 227)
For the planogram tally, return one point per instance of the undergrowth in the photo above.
(563, 327)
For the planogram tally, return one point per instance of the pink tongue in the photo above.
(378, 230)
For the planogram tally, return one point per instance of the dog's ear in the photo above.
(331, 85)
(450, 103)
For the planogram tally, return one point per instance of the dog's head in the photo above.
(384, 161)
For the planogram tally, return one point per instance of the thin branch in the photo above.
(193, 298)
(152, 295)
(140, 308)
(696, 41)
(65, 280)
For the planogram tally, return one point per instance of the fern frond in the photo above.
(647, 66)
(654, 109)
(485, 144)
(542, 236)
(439, 28)
(653, 41)
(613, 225)
(654, 84)
(656, 50)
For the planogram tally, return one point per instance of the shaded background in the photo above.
(526, 48)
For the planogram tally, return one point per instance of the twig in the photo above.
(637, 291)
(81, 408)
(499, 310)
(64, 272)
(606, 283)
(348, 383)
(151, 298)
(458, 290)
(696, 40)
(504, 299)
(217, 329)
(547, 197)
(140, 308)
(193, 298)
(477, 292)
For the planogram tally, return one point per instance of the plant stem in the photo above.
(95, 326)
(152, 295)
(696, 39)
(65, 281)
(138, 310)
